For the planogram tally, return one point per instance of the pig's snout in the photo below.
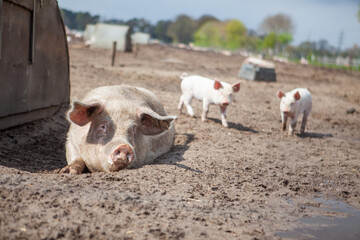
(122, 156)
(225, 104)
(289, 114)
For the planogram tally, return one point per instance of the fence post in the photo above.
(113, 54)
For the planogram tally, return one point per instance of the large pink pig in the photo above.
(116, 127)
(209, 92)
(293, 104)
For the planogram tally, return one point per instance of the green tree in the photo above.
(270, 41)
(183, 29)
(235, 34)
(211, 34)
(230, 34)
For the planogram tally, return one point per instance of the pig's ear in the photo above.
(82, 113)
(217, 85)
(297, 96)
(152, 124)
(236, 87)
(280, 94)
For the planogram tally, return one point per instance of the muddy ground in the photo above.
(249, 181)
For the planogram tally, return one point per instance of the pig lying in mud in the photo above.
(209, 92)
(292, 104)
(115, 127)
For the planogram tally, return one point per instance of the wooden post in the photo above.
(113, 54)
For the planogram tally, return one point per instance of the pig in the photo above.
(116, 127)
(209, 92)
(292, 104)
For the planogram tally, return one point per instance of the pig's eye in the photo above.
(102, 129)
(133, 130)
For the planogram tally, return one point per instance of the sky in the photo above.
(314, 20)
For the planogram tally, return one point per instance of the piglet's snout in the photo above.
(225, 104)
(122, 156)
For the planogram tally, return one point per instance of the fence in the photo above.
(339, 61)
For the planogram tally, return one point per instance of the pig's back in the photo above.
(127, 96)
(305, 100)
(196, 85)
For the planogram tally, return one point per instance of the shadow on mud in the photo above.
(181, 145)
(314, 135)
(236, 126)
(38, 146)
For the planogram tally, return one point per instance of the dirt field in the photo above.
(249, 181)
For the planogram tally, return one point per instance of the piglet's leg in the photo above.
(205, 110)
(283, 120)
(187, 101)
(292, 127)
(303, 123)
(181, 103)
(76, 167)
(223, 116)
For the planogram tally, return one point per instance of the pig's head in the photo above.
(288, 102)
(114, 134)
(224, 92)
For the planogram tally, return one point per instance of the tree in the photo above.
(78, 20)
(230, 34)
(204, 19)
(160, 31)
(279, 30)
(139, 25)
(211, 34)
(182, 29)
(279, 23)
(235, 34)
(270, 41)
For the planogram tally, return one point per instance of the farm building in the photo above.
(104, 35)
(88, 32)
(256, 69)
(140, 38)
(34, 61)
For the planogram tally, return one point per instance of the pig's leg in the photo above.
(76, 167)
(205, 110)
(292, 126)
(303, 123)
(187, 101)
(283, 120)
(181, 103)
(223, 116)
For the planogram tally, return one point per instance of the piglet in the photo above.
(292, 104)
(116, 127)
(209, 92)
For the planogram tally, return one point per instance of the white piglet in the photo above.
(293, 104)
(209, 92)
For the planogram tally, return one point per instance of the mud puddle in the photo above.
(337, 220)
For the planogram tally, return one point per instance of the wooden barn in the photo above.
(34, 61)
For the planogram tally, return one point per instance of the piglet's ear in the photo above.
(297, 96)
(152, 124)
(217, 85)
(280, 94)
(236, 87)
(82, 113)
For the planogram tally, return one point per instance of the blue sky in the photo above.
(314, 19)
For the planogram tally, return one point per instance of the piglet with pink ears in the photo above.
(209, 92)
(292, 105)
